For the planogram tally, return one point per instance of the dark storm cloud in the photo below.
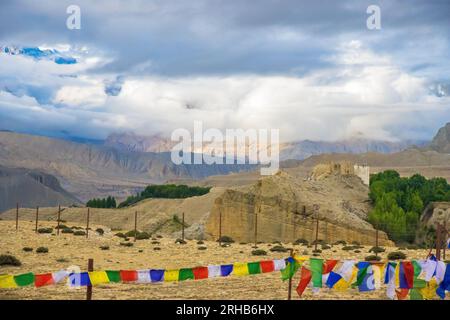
(221, 37)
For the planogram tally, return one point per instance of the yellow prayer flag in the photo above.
(301, 259)
(98, 277)
(240, 269)
(171, 275)
(7, 281)
(343, 285)
(429, 292)
(397, 275)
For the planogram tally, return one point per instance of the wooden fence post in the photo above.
(445, 239)
(256, 230)
(220, 227)
(317, 233)
(17, 216)
(376, 242)
(87, 222)
(59, 219)
(89, 287)
(182, 226)
(37, 219)
(135, 225)
(438, 241)
(290, 279)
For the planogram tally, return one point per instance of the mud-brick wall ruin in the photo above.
(278, 220)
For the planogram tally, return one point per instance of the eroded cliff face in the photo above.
(284, 208)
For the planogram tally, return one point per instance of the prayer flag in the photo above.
(254, 268)
(25, 279)
(41, 280)
(329, 266)
(240, 269)
(291, 268)
(128, 275)
(59, 276)
(79, 279)
(333, 278)
(408, 272)
(305, 278)
(157, 275)
(200, 273)
(185, 274)
(7, 281)
(316, 266)
(113, 276)
(98, 277)
(225, 270)
(214, 271)
(445, 284)
(279, 264)
(143, 276)
(267, 266)
(171, 275)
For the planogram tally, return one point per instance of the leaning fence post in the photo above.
(59, 219)
(135, 225)
(17, 216)
(87, 222)
(438, 241)
(376, 242)
(89, 287)
(317, 233)
(182, 226)
(37, 219)
(220, 227)
(256, 229)
(445, 238)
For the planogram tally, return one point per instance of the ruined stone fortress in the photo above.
(341, 168)
(285, 207)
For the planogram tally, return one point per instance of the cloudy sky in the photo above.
(312, 70)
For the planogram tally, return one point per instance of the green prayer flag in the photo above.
(418, 283)
(290, 270)
(254, 267)
(113, 276)
(25, 279)
(415, 294)
(316, 266)
(185, 274)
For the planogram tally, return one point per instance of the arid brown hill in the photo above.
(31, 188)
(281, 201)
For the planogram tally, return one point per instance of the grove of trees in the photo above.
(399, 202)
(170, 191)
(109, 202)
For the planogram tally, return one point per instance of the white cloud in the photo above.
(361, 94)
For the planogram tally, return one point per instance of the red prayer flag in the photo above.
(128, 275)
(329, 265)
(408, 268)
(41, 280)
(267, 266)
(305, 278)
(200, 273)
(402, 293)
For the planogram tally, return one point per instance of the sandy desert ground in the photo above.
(68, 250)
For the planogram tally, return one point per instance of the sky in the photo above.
(311, 69)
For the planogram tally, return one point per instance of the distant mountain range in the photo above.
(37, 170)
(298, 150)
(87, 170)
